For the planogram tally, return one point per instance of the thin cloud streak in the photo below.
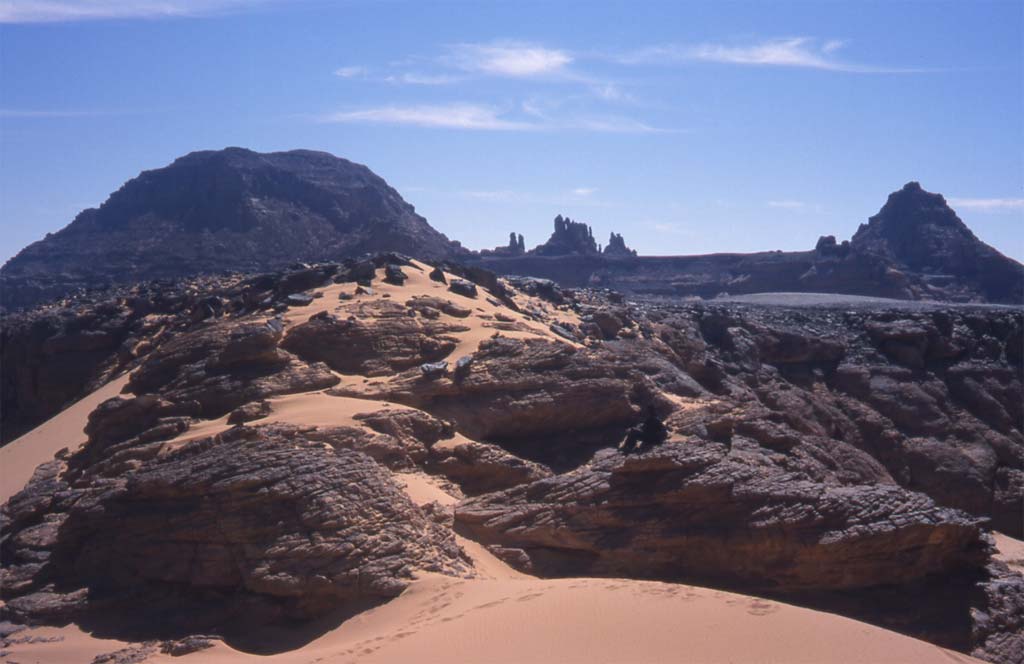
(795, 52)
(350, 72)
(60, 11)
(508, 58)
(451, 116)
(988, 204)
(482, 118)
(411, 78)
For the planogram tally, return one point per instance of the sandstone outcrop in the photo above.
(845, 457)
(700, 513)
(381, 339)
(252, 525)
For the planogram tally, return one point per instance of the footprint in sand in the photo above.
(491, 605)
(759, 608)
(439, 607)
(526, 598)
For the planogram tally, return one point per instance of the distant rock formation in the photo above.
(827, 246)
(920, 233)
(231, 209)
(617, 247)
(516, 247)
(570, 237)
(915, 248)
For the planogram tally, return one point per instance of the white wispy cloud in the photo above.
(988, 204)
(56, 11)
(611, 92)
(412, 78)
(787, 205)
(43, 114)
(351, 71)
(481, 117)
(583, 191)
(447, 116)
(617, 125)
(801, 52)
(508, 58)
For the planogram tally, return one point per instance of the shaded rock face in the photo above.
(520, 389)
(933, 398)
(921, 233)
(230, 209)
(53, 355)
(48, 361)
(216, 370)
(252, 525)
(689, 514)
(481, 468)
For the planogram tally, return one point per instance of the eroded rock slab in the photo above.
(255, 524)
(681, 512)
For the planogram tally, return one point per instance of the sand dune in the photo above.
(21, 456)
(501, 615)
(589, 621)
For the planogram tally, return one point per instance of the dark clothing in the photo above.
(648, 434)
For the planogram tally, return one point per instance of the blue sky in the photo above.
(689, 127)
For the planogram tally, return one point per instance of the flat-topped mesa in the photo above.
(570, 237)
(617, 248)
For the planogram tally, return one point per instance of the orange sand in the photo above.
(19, 458)
(1010, 551)
(502, 615)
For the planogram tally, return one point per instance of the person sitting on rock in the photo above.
(652, 431)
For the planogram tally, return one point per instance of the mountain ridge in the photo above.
(236, 210)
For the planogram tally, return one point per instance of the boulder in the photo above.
(463, 287)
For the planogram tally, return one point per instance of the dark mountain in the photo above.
(231, 209)
(915, 248)
(919, 232)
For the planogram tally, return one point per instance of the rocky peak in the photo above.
(617, 247)
(570, 237)
(917, 230)
(516, 244)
